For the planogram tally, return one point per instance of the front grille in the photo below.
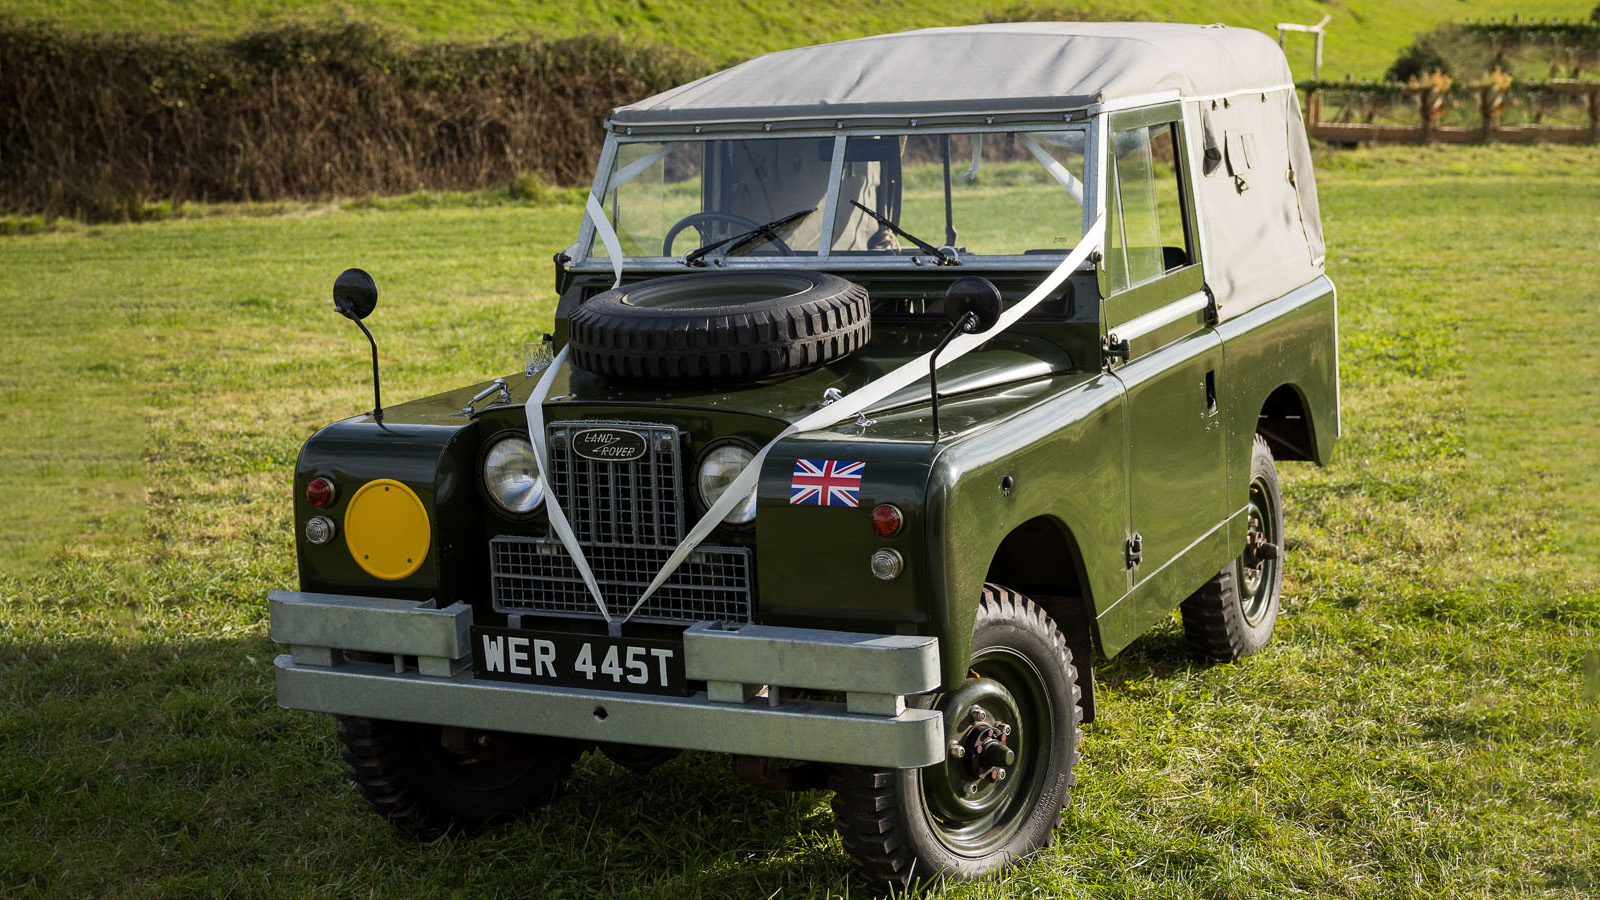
(628, 518)
(638, 503)
(536, 576)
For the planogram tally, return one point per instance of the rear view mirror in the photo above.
(355, 294)
(973, 295)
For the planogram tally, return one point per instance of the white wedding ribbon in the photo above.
(850, 404)
(864, 397)
(608, 237)
(1057, 171)
(558, 519)
(597, 212)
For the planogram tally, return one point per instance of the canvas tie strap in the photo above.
(850, 404)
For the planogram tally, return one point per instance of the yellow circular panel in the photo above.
(386, 529)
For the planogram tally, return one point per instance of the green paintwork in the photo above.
(1093, 449)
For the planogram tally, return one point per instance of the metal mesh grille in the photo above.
(637, 503)
(628, 517)
(536, 576)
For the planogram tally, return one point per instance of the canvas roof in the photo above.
(1007, 68)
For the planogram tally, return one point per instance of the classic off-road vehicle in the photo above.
(895, 381)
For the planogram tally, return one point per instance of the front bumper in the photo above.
(871, 727)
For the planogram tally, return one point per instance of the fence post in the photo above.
(1425, 108)
(1489, 103)
(1594, 115)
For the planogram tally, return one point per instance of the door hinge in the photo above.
(1134, 550)
(1116, 349)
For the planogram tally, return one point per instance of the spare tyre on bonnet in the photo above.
(987, 356)
(720, 326)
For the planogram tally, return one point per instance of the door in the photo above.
(1156, 318)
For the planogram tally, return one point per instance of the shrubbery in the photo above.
(98, 125)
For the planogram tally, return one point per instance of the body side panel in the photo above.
(1066, 460)
(1289, 341)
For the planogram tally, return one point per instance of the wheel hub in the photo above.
(983, 751)
(1255, 563)
(980, 719)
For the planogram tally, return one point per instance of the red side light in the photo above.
(886, 520)
(319, 492)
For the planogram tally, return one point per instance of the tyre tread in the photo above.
(871, 823)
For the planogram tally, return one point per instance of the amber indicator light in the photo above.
(319, 492)
(886, 520)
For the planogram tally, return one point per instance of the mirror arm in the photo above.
(377, 401)
(967, 324)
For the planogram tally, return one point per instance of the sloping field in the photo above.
(1420, 727)
(1364, 35)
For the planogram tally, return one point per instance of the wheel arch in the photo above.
(1286, 423)
(1040, 558)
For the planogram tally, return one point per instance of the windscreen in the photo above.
(998, 193)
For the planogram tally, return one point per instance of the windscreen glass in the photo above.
(1001, 193)
(668, 199)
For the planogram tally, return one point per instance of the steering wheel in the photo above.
(701, 221)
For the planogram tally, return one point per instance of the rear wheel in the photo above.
(428, 779)
(1233, 614)
(1012, 729)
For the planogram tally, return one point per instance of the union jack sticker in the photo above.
(826, 482)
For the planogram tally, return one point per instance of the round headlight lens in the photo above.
(718, 470)
(511, 475)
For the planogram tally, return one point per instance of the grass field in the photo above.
(1421, 727)
(1364, 35)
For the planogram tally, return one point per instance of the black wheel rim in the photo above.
(1257, 583)
(1003, 705)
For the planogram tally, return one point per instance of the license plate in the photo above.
(579, 660)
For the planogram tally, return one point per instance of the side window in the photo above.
(1147, 236)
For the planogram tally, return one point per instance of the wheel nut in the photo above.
(957, 750)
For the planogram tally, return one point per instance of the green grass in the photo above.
(1364, 36)
(1417, 729)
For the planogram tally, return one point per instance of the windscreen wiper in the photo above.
(944, 256)
(768, 230)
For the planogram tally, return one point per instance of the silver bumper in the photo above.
(871, 727)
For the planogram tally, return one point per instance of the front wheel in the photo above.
(1012, 732)
(427, 779)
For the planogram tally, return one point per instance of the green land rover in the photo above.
(893, 383)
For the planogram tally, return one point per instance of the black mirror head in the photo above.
(976, 295)
(355, 294)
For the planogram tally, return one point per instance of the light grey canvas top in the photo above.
(1047, 67)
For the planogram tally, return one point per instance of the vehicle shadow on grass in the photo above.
(143, 766)
(1160, 653)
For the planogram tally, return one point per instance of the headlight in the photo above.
(511, 476)
(718, 469)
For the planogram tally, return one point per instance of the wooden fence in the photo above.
(1476, 111)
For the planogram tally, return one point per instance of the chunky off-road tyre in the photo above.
(1018, 715)
(720, 326)
(428, 780)
(1233, 614)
